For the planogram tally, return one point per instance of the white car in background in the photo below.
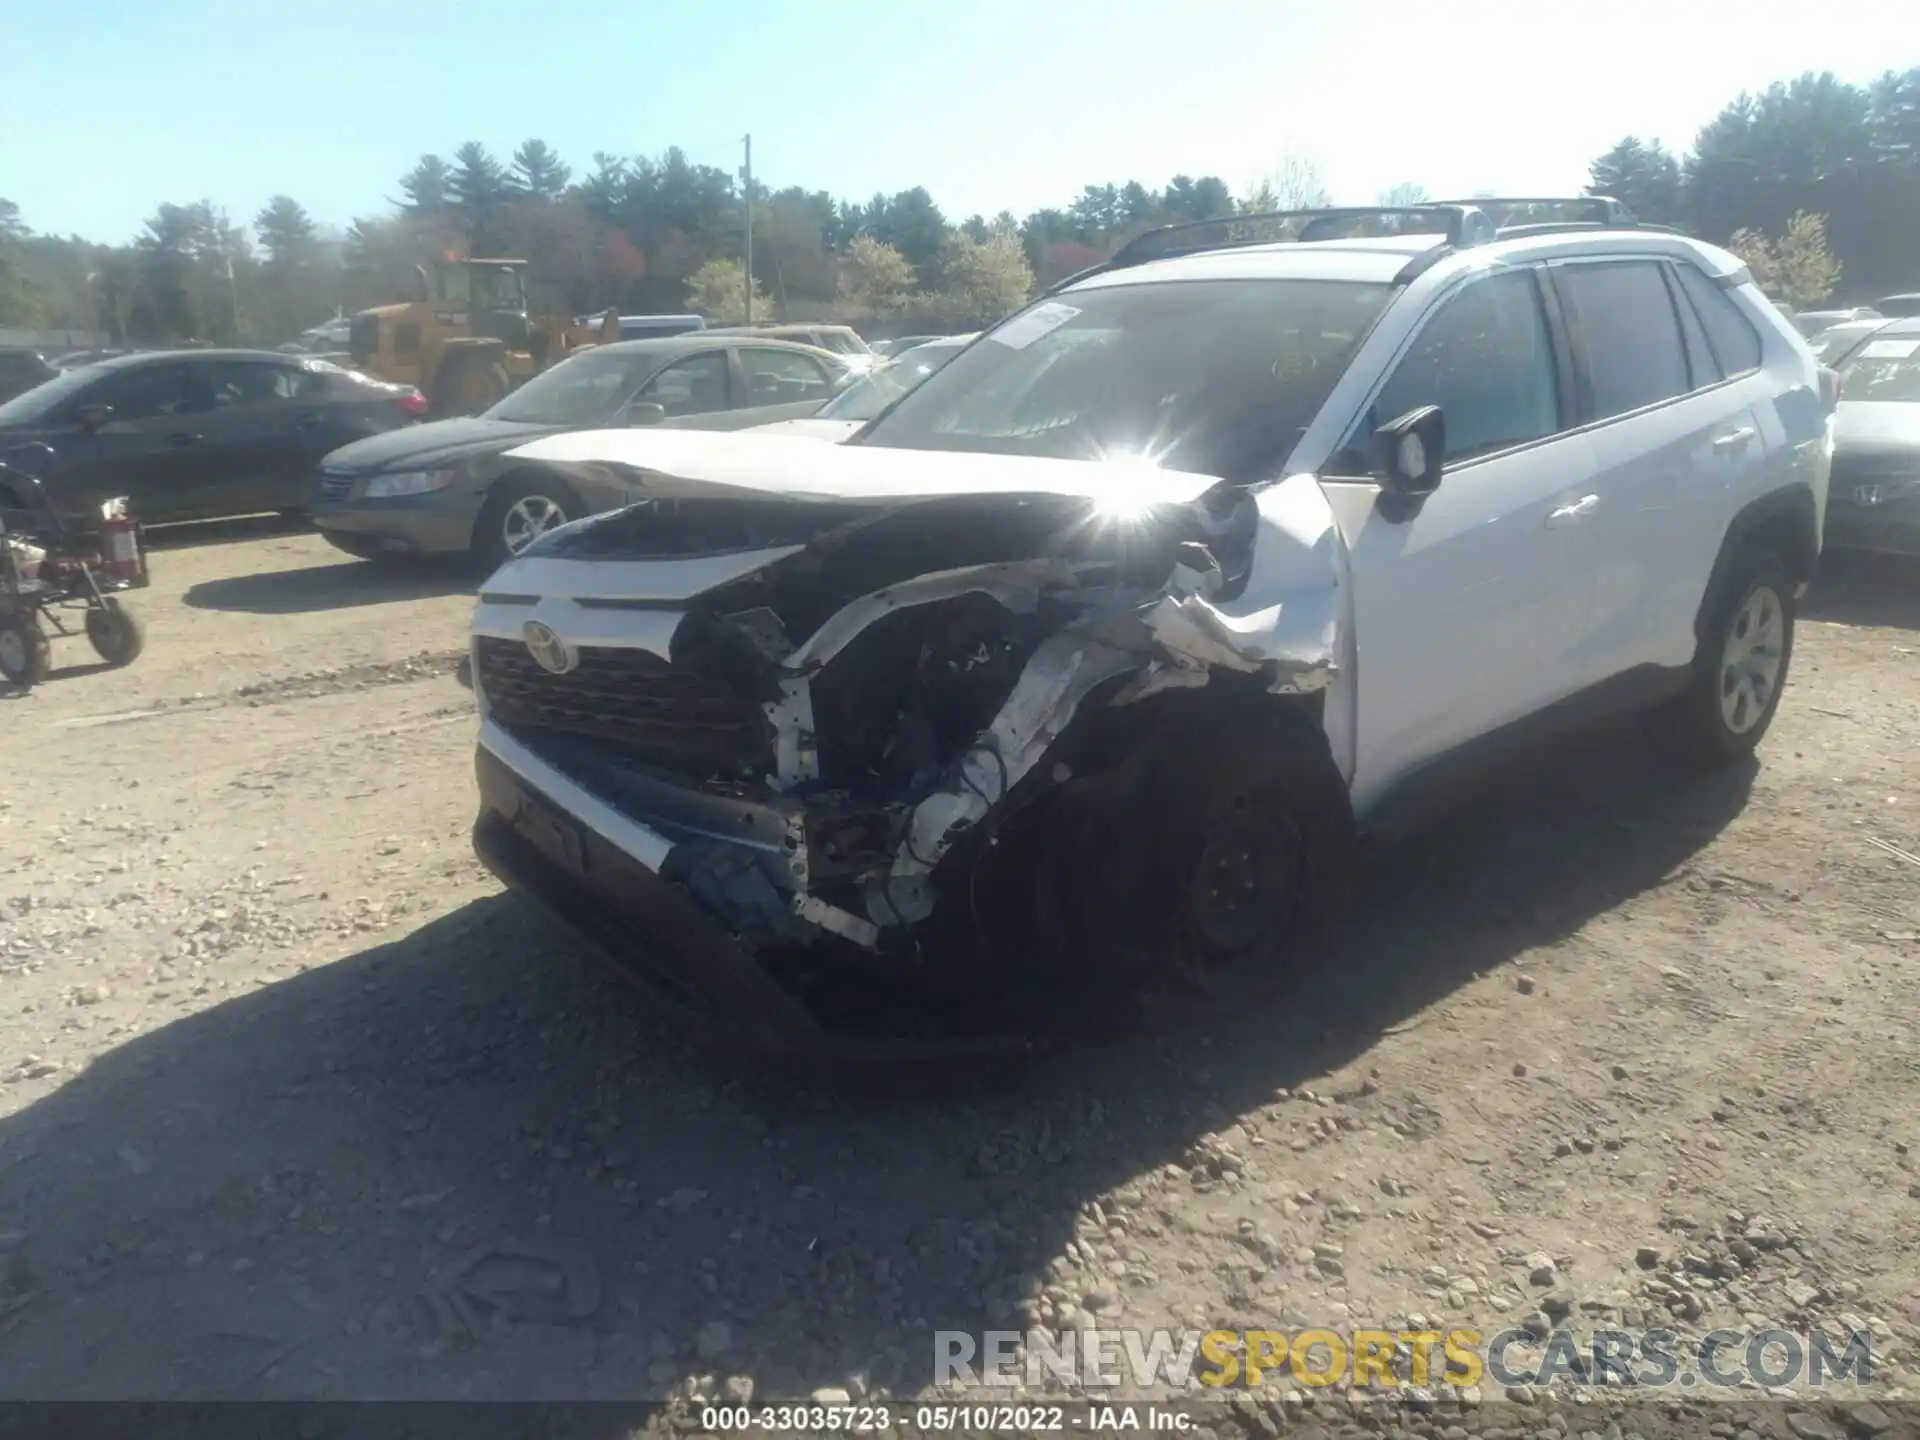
(848, 411)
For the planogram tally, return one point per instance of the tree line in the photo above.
(1816, 180)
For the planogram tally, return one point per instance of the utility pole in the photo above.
(747, 175)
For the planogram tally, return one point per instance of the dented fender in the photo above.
(1292, 614)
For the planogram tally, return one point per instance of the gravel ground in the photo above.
(297, 1104)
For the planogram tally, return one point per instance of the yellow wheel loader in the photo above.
(467, 339)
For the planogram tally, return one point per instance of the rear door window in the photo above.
(1701, 364)
(696, 385)
(1624, 318)
(776, 377)
(246, 383)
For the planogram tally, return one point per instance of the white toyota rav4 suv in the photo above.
(1089, 659)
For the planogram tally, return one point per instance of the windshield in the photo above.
(1884, 370)
(589, 389)
(43, 400)
(496, 287)
(1829, 344)
(1216, 377)
(887, 383)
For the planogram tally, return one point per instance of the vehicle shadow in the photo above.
(10, 691)
(333, 587)
(1865, 589)
(295, 1193)
(187, 534)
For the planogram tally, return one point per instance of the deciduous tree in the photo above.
(718, 290)
(874, 278)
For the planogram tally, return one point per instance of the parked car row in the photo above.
(205, 434)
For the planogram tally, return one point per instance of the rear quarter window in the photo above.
(1736, 344)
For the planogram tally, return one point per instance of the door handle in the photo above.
(185, 437)
(1579, 510)
(306, 422)
(1734, 439)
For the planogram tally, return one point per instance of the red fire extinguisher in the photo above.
(119, 543)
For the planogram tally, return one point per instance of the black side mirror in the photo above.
(645, 412)
(1410, 452)
(92, 417)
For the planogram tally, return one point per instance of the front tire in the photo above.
(26, 655)
(1213, 858)
(1739, 670)
(116, 634)
(518, 512)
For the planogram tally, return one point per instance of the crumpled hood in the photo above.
(438, 442)
(814, 429)
(689, 464)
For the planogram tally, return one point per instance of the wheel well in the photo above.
(1783, 524)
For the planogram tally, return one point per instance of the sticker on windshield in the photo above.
(1889, 349)
(1021, 332)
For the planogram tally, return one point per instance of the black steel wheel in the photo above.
(25, 653)
(115, 632)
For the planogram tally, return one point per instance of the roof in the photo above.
(1381, 259)
(145, 357)
(705, 339)
(1376, 260)
(1407, 240)
(777, 327)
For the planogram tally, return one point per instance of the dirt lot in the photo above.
(297, 1103)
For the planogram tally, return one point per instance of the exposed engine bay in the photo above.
(861, 699)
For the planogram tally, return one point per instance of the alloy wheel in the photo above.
(1750, 663)
(527, 519)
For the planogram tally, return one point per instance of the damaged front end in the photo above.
(793, 730)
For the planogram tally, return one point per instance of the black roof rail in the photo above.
(1566, 227)
(1506, 211)
(1453, 224)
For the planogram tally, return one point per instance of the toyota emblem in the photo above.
(550, 652)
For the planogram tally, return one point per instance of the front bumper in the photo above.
(546, 841)
(1891, 527)
(435, 524)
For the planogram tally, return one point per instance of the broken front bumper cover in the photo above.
(545, 840)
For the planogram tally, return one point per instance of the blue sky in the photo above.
(111, 106)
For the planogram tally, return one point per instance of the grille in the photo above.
(678, 719)
(335, 487)
(1854, 467)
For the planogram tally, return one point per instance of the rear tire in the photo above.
(26, 655)
(116, 634)
(1739, 670)
(466, 387)
(519, 511)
